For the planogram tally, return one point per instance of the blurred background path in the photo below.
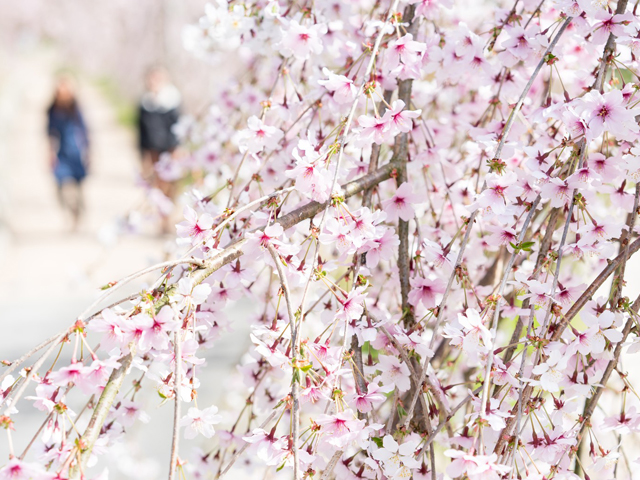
(42, 266)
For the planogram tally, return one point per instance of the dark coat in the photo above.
(156, 120)
(68, 129)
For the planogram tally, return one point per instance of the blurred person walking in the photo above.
(69, 147)
(158, 112)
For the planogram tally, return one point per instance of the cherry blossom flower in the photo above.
(492, 414)
(551, 372)
(130, 412)
(603, 230)
(401, 204)
(259, 136)
(624, 423)
(540, 293)
(609, 24)
(607, 112)
(603, 329)
(18, 470)
(190, 295)
(69, 374)
(426, 291)
(194, 227)
(269, 449)
(312, 178)
(343, 90)
(401, 119)
(477, 337)
(257, 242)
(374, 395)
(557, 192)
(301, 41)
(398, 460)
(338, 233)
(351, 308)
(501, 191)
(374, 129)
(200, 422)
(156, 335)
(112, 325)
(405, 50)
(394, 372)
(517, 44)
(381, 248)
(476, 467)
(340, 429)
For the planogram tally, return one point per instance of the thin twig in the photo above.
(295, 381)
(101, 411)
(177, 383)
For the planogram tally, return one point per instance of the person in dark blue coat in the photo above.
(69, 147)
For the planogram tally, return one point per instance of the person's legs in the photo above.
(154, 157)
(148, 172)
(70, 196)
(167, 188)
(78, 208)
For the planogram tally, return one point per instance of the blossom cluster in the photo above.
(425, 201)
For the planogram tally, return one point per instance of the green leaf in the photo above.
(526, 246)
(377, 441)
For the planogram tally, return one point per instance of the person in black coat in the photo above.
(158, 112)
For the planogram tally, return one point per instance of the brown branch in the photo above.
(375, 149)
(401, 153)
(618, 278)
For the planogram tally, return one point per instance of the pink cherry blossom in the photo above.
(259, 136)
(374, 129)
(342, 89)
(200, 422)
(426, 291)
(301, 41)
(194, 227)
(401, 119)
(401, 204)
(394, 372)
(374, 395)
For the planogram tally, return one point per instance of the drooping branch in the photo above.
(591, 404)
(177, 382)
(562, 325)
(295, 381)
(99, 416)
(470, 223)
